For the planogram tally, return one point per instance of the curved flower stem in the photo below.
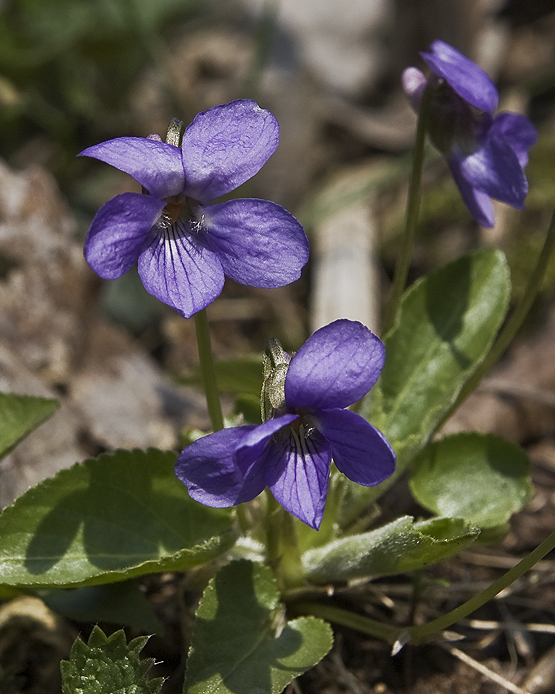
(368, 626)
(423, 632)
(208, 371)
(515, 322)
(413, 208)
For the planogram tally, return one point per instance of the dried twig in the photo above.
(482, 669)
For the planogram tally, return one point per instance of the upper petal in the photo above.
(336, 366)
(359, 450)
(298, 469)
(225, 146)
(494, 169)
(155, 165)
(208, 469)
(517, 131)
(258, 242)
(467, 79)
(177, 268)
(118, 233)
(478, 203)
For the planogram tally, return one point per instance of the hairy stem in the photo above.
(413, 208)
(282, 549)
(208, 371)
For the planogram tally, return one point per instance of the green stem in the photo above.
(273, 550)
(515, 322)
(208, 371)
(413, 207)
(423, 632)
(348, 619)
(282, 548)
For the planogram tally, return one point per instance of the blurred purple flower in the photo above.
(183, 247)
(291, 452)
(486, 155)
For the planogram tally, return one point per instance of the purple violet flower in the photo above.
(183, 246)
(292, 450)
(486, 154)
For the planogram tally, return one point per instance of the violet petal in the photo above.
(478, 203)
(517, 131)
(251, 448)
(359, 450)
(494, 169)
(336, 366)
(258, 242)
(177, 268)
(465, 77)
(155, 165)
(208, 469)
(225, 146)
(118, 233)
(298, 470)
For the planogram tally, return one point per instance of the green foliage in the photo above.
(68, 66)
(395, 548)
(121, 603)
(242, 642)
(108, 519)
(19, 415)
(240, 375)
(446, 325)
(480, 477)
(108, 664)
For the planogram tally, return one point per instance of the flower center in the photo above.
(181, 214)
(300, 430)
(305, 424)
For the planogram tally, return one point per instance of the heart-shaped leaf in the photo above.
(113, 517)
(447, 323)
(480, 477)
(242, 642)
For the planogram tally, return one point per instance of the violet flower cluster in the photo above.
(292, 451)
(183, 245)
(486, 154)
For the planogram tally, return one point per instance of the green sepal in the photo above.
(275, 363)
